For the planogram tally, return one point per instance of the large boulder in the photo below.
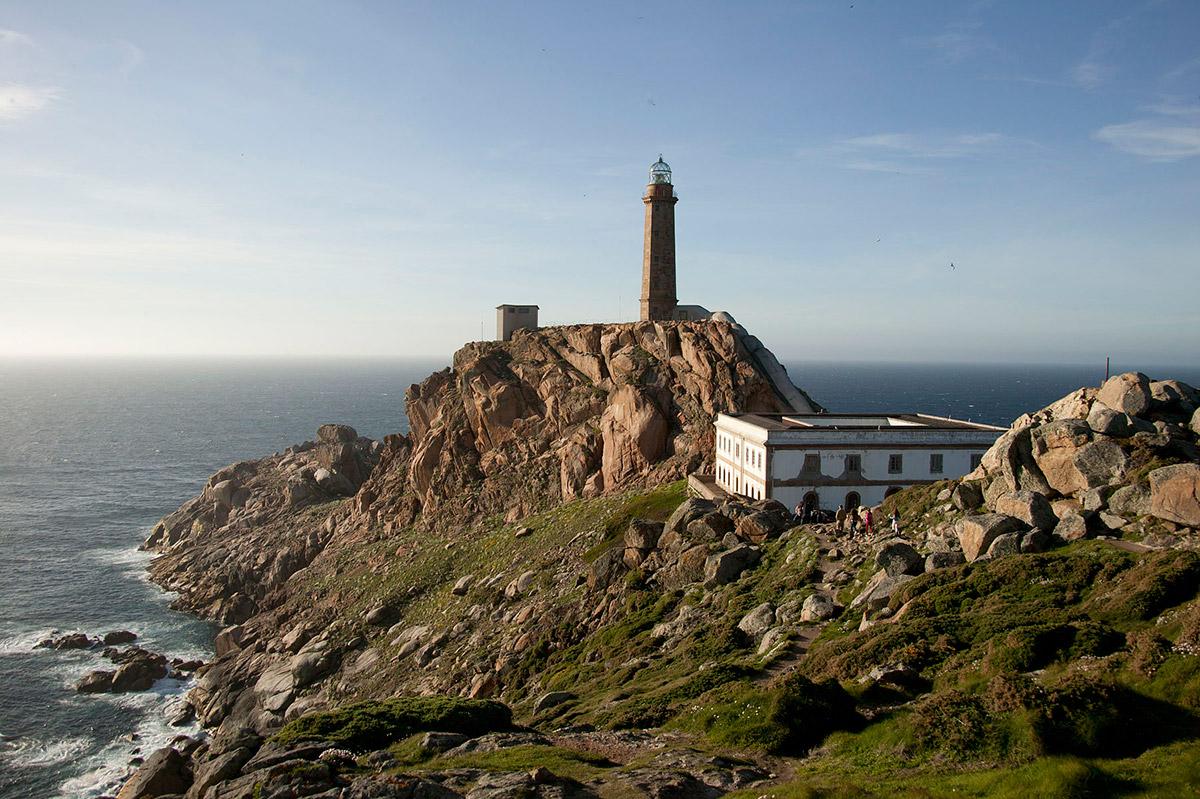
(710, 527)
(1071, 461)
(634, 432)
(878, 591)
(1004, 545)
(976, 533)
(759, 526)
(688, 511)
(1175, 493)
(1128, 393)
(899, 557)
(1105, 420)
(1071, 527)
(95, 682)
(967, 496)
(1130, 501)
(1029, 507)
(758, 620)
(1174, 395)
(642, 534)
(944, 559)
(725, 567)
(817, 607)
(607, 569)
(164, 773)
(140, 672)
(1012, 459)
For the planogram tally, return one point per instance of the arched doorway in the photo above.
(852, 500)
(892, 490)
(811, 501)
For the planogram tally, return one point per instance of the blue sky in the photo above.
(371, 179)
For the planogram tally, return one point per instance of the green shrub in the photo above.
(1086, 715)
(1160, 581)
(809, 711)
(790, 718)
(376, 724)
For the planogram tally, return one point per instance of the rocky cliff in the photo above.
(562, 413)
(522, 558)
(555, 414)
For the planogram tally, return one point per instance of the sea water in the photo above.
(92, 453)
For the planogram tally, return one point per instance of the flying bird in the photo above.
(952, 265)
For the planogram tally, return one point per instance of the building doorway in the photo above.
(852, 500)
(892, 490)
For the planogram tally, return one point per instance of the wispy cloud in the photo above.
(1152, 139)
(886, 167)
(1172, 134)
(1091, 74)
(911, 145)
(1183, 69)
(18, 101)
(1174, 108)
(908, 153)
(958, 42)
(132, 57)
(11, 38)
(1096, 68)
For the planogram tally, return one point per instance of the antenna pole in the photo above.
(1107, 363)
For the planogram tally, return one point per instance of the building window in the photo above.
(935, 463)
(812, 464)
(854, 463)
(895, 464)
(976, 459)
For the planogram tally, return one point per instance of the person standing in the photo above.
(840, 519)
(895, 521)
(868, 522)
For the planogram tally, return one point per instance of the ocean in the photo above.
(92, 453)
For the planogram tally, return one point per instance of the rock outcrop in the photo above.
(562, 413)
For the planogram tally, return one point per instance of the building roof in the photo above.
(511, 305)
(800, 422)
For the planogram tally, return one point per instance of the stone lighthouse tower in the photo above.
(658, 252)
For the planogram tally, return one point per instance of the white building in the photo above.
(835, 459)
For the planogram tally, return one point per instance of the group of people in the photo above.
(849, 519)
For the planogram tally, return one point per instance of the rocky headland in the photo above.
(517, 598)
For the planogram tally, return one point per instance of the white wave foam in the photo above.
(36, 753)
(23, 643)
(104, 772)
(130, 557)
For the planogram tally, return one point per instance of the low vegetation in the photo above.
(364, 726)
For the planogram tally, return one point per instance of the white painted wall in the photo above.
(742, 460)
(787, 465)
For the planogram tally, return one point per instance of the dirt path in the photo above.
(798, 647)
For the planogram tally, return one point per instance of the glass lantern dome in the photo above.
(660, 172)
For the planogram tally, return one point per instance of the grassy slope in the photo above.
(1045, 661)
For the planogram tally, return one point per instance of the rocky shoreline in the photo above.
(526, 543)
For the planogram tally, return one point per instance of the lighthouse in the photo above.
(658, 252)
